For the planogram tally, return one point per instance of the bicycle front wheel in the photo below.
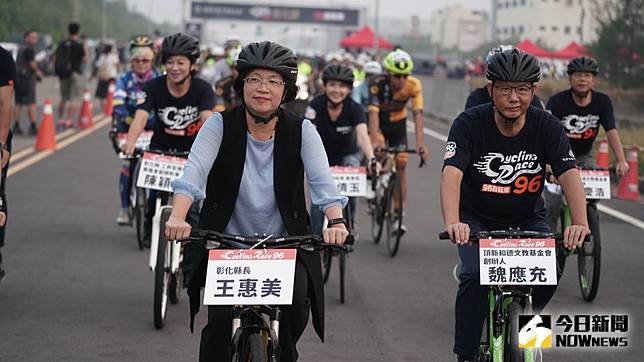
(257, 348)
(512, 352)
(377, 210)
(140, 201)
(327, 257)
(589, 257)
(394, 215)
(161, 276)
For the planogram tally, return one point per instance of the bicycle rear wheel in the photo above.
(161, 276)
(394, 215)
(589, 257)
(257, 348)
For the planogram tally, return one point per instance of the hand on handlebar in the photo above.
(459, 233)
(423, 153)
(177, 228)
(375, 167)
(621, 168)
(128, 148)
(574, 236)
(336, 234)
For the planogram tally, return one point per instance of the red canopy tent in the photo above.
(530, 47)
(572, 50)
(364, 38)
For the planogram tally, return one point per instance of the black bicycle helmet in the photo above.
(583, 64)
(338, 72)
(272, 56)
(180, 44)
(513, 66)
(141, 41)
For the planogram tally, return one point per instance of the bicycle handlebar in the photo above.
(213, 240)
(509, 234)
(396, 150)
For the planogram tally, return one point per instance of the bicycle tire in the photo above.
(377, 213)
(161, 277)
(393, 241)
(139, 214)
(512, 352)
(343, 267)
(174, 289)
(257, 348)
(560, 250)
(589, 257)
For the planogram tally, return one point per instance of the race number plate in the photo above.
(517, 262)
(351, 181)
(158, 171)
(596, 183)
(250, 277)
(142, 143)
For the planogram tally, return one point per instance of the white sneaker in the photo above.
(123, 217)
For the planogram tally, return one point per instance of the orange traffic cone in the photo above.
(629, 185)
(85, 116)
(602, 154)
(109, 101)
(46, 139)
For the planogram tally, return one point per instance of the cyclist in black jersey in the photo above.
(482, 95)
(582, 110)
(493, 173)
(7, 79)
(342, 126)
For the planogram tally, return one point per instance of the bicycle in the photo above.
(255, 328)
(165, 257)
(507, 301)
(137, 195)
(347, 214)
(385, 209)
(589, 253)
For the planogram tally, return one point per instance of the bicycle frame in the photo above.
(175, 248)
(499, 298)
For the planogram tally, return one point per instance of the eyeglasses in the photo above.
(270, 83)
(521, 91)
(400, 76)
(582, 75)
(142, 61)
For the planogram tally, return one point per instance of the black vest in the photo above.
(222, 189)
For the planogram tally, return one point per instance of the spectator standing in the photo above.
(68, 59)
(107, 71)
(27, 73)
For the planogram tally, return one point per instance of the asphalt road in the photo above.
(79, 289)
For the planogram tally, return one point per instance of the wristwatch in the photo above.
(339, 220)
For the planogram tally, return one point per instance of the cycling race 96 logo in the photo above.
(511, 173)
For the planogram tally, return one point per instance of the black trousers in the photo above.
(216, 335)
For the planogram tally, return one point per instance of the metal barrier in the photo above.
(444, 98)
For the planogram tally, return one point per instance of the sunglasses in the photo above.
(400, 76)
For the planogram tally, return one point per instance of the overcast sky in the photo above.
(170, 10)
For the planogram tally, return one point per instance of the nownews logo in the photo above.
(574, 331)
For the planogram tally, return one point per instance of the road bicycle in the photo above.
(507, 301)
(255, 328)
(589, 253)
(329, 254)
(386, 207)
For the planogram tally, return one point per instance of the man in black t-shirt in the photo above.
(342, 126)
(69, 57)
(581, 110)
(493, 174)
(7, 79)
(482, 95)
(27, 72)
(181, 103)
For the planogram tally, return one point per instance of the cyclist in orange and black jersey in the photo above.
(388, 97)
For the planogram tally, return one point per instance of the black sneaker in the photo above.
(33, 130)
(16, 129)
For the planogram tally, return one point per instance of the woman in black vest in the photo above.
(249, 164)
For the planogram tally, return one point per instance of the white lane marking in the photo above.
(15, 168)
(603, 208)
(29, 150)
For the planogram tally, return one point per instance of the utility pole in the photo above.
(76, 11)
(104, 21)
(376, 32)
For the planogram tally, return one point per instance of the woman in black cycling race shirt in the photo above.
(181, 104)
(493, 173)
(342, 125)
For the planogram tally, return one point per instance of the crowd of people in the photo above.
(248, 154)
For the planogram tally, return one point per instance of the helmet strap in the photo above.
(259, 119)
